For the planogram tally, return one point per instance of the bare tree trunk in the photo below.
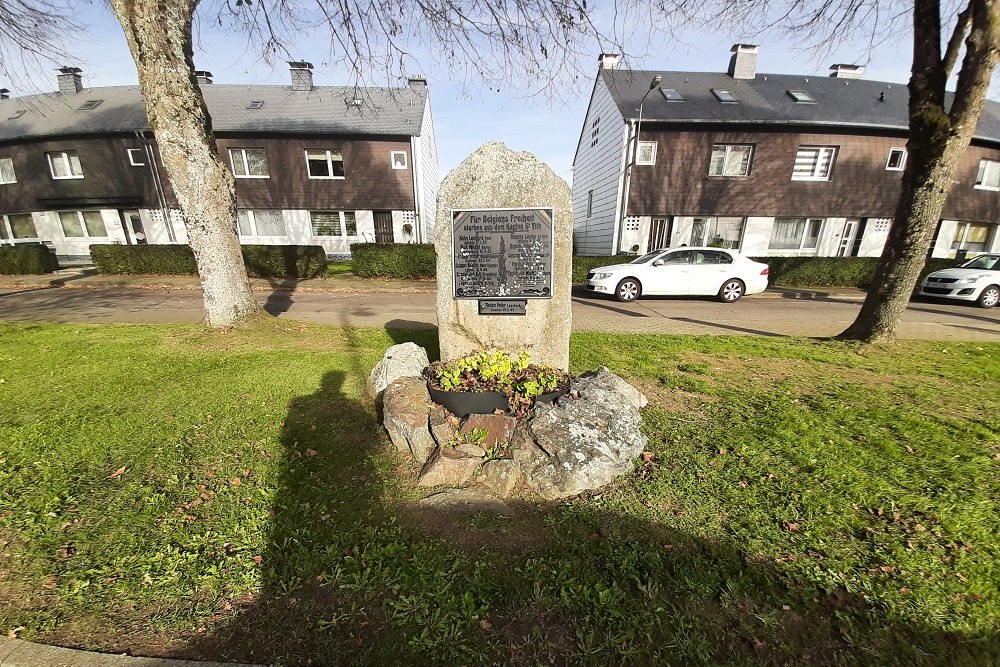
(938, 137)
(159, 36)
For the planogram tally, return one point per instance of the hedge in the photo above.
(262, 261)
(394, 260)
(583, 264)
(832, 271)
(31, 258)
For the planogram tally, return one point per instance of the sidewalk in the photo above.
(84, 278)
(18, 653)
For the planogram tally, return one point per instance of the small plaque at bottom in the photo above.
(503, 306)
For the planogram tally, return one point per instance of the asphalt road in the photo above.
(775, 313)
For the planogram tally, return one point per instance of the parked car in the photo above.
(977, 280)
(681, 271)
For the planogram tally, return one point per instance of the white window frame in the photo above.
(9, 163)
(252, 221)
(342, 217)
(989, 170)
(392, 160)
(710, 224)
(239, 156)
(7, 230)
(83, 225)
(807, 223)
(961, 241)
(67, 160)
(329, 163)
(590, 203)
(725, 160)
(638, 151)
(136, 161)
(819, 151)
(902, 160)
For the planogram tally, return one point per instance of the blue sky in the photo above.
(467, 117)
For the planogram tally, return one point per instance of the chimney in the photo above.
(302, 76)
(417, 82)
(4, 94)
(842, 71)
(204, 77)
(70, 80)
(609, 60)
(743, 64)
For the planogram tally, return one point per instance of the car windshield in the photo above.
(649, 256)
(987, 262)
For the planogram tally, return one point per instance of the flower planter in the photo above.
(464, 403)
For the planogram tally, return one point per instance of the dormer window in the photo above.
(725, 96)
(89, 104)
(256, 104)
(672, 95)
(801, 97)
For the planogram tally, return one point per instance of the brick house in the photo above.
(314, 165)
(770, 164)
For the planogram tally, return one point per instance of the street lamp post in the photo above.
(626, 185)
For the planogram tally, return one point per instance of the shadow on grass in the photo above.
(354, 575)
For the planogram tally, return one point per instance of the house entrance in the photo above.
(383, 227)
(132, 224)
(847, 237)
(659, 234)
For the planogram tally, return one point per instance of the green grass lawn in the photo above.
(339, 268)
(170, 491)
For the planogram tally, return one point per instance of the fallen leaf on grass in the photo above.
(236, 482)
(309, 453)
(257, 560)
(67, 550)
(648, 456)
(485, 625)
(13, 632)
(118, 473)
(791, 526)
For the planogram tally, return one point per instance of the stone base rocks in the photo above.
(579, 443)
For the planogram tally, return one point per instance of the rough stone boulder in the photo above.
(448, 467)
(403, 360)
(406, 405)
(583, 441)
(465, 501)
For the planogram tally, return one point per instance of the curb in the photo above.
(20, 653)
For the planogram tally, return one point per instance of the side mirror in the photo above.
(658, 262)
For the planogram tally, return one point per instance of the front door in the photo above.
(132, 224)
(659, 234)
(383, 227)
(847, 237)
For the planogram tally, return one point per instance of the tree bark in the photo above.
(159, 36)
(938, 137)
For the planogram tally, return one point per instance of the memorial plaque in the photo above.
(502, 253)
(503, 307)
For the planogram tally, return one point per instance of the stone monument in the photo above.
(504, 243)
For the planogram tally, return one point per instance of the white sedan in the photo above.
(977, 280)
(681, 271)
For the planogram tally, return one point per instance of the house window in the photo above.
(725, 96)
(595, 131)
(333, 223)
(988, 177)
(795, 233)
(249, 162)
(590, 203)
(730, 160)
(646, 153)
(801, 97)
(65, 164)
(973, 237)
(325, 164)
(82, 224)
(398, 159)
(717, 232)
(7, 171)
(672, 95)
(897, 159)
(814, 163)
(136, 157)
(260, 223)
(17, 226)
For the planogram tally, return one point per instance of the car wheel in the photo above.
(732, 290)
(989, 297)
(627, 290)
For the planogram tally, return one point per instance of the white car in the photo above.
(681, 271)
(977, 280)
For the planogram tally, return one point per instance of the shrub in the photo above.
(285, 261)
(394, 260)
(832, 271)
(31, 258)
(143, 259)
(264, 261)
(582, 265)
